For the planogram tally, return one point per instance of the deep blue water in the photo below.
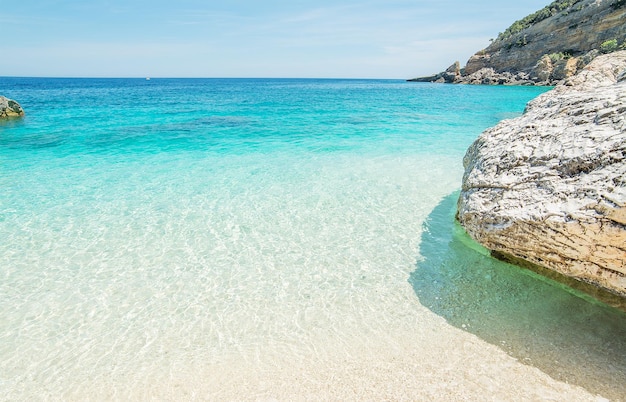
(228, 115)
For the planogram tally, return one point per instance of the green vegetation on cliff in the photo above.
(548, 11)
(612, 45)
(609, 46)
(538, 16)
(547, 46)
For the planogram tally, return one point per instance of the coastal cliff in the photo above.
(545, 47)
(9, 108)
(549, 187)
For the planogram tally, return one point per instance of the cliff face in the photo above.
(574, 31)
(546, 47)
(549, 187)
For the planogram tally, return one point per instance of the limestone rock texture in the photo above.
(549, 187)
(9, 108)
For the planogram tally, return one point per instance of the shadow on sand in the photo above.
(538, 321)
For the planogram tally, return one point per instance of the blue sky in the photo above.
(245, 38)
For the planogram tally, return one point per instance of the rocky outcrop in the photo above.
(548, 46)
(451, 75)
(549, 187)
(488, 76)
(9, 108)
(573, 31)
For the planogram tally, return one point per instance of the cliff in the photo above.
(548, 46)
(549, 187)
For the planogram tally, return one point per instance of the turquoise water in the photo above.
(166, 232)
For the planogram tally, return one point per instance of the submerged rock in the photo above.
(549, 187)
(10, 108)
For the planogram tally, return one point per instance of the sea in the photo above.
(270, 239)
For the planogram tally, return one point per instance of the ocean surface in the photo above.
(269, 238)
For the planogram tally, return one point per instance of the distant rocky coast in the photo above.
(545, 47)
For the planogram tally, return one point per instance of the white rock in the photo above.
(549, 187)
(9, 108)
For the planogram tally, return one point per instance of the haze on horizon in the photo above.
(245, 38)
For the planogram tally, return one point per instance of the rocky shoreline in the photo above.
(549, 188)
(545, 73)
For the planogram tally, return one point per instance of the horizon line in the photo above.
(147, 78)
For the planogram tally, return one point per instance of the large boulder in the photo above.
(549, 187)
(9, 108)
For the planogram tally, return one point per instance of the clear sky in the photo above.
(248, 38)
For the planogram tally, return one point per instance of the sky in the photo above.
(248, 38)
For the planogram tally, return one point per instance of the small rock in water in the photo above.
(10, 108)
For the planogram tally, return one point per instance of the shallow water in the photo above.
(563, 332)
(243, 239)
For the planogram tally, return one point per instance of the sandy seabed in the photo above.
(438, 362)
(348, 286)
